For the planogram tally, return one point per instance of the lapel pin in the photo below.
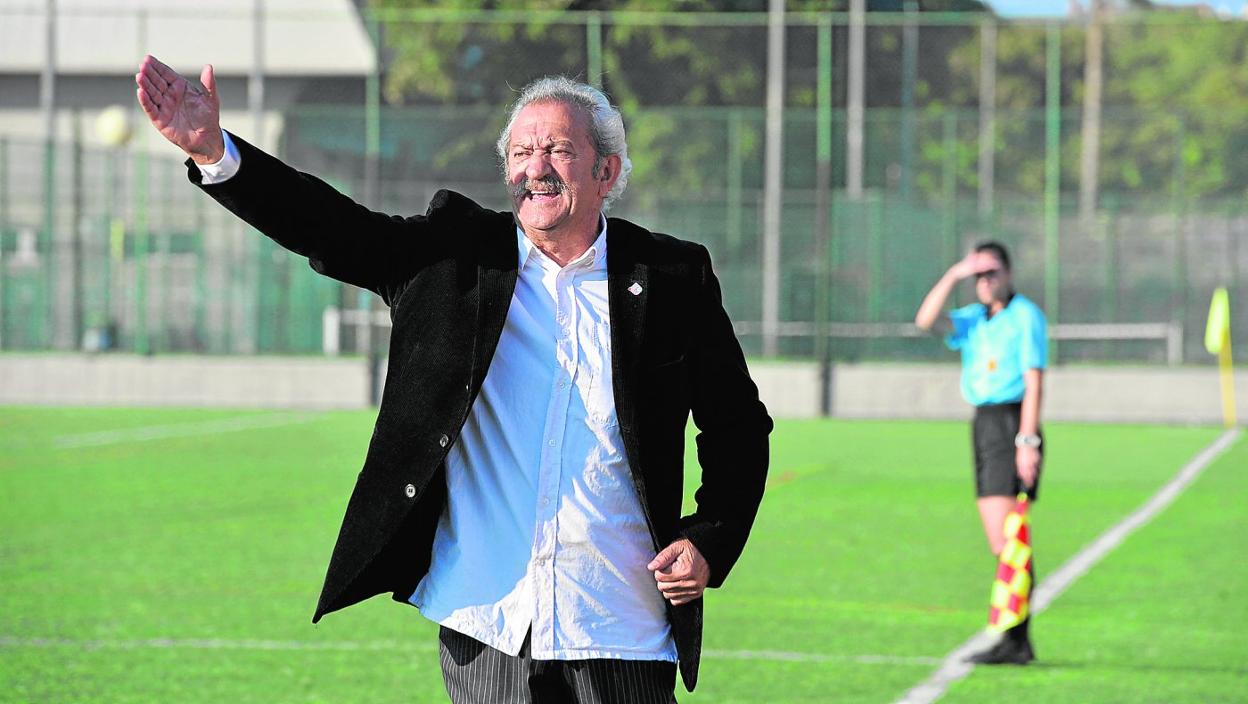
(635, 289)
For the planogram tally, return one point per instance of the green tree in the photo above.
(1177, 93)
(660, 75)
(1173, 105)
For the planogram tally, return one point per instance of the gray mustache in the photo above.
(551, 183)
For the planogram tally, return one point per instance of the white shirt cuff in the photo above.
(225, 168)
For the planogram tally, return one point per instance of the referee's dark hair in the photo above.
(997, 249)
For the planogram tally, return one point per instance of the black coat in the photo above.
(448, 277)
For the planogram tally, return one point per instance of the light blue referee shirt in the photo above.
(996, 351)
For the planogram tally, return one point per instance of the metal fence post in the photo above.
(909, 76)
(142, 344)
(1179, 208)
(331, 321)
(593, 48)
(200, 300)
(875, 260)
(987, 113)
(47, 248)
(77, 293)
(949, 186)
(1052, 177)
(115, 241)
(875, 235)
(230, 279)
(47, 105)
(4, 231)
(367, 301)
(735, 134)
(773, 179)
(855, 100)
(1110, 231)
(823, 183)
(165, 247)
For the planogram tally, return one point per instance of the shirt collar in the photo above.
(597, 251)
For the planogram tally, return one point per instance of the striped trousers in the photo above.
(475, 673)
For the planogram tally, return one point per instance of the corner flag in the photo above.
(1218, 329)
(1011, 591)
(1218, 341)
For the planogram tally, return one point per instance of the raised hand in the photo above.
(184, 113)
(968, 266)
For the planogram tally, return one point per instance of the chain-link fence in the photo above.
(971, 129)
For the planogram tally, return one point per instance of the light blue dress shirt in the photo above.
(997, 351)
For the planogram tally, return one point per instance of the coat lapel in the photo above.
(628, 292)
(497, 269)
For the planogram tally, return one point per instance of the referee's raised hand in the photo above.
(185, 114)
(972, 264)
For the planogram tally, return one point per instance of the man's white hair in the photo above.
(606, 126)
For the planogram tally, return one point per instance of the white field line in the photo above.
(784, 656)
(954, 667)
(392, 645)
(207, 644)
(180, 430)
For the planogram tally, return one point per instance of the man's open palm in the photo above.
(187, 115)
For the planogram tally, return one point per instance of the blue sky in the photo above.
(1052, 8)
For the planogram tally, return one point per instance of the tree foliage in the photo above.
(1174, 118)
(669, 80)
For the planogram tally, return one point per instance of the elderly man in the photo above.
(524, 482)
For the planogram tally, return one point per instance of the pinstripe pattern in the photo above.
(475, 673)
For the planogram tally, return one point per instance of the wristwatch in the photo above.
(1025, 440)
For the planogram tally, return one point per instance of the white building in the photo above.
(110, 240)
(305, 51)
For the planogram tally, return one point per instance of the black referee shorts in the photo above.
(992, 439)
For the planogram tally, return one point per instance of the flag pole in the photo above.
(1228, 379)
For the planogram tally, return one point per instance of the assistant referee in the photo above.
(1004, 344)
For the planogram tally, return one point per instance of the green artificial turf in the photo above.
(1161, 619)
(183, 566)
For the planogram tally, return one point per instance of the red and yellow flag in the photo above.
(1011, 591)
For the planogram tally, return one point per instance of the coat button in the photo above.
(410, 491)
(444, 441)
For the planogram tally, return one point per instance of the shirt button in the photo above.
(551, 442)
(545, 501)
(410, 491)
(444, 441)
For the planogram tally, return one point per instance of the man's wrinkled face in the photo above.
(550, 170)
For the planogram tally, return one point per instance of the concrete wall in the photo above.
(127, 380)
(790, 390)
(1141, 394)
